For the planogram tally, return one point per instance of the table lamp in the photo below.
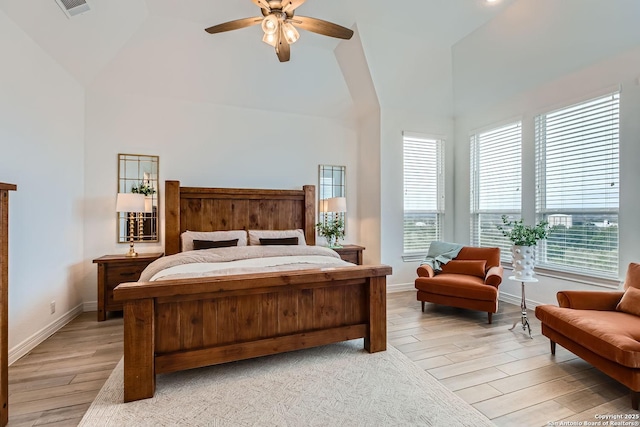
(131, 204)
(337, 205)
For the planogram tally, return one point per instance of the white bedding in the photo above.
(241, 260)
(246, 266)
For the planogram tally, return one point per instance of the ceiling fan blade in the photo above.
(291, 5)
(319, 26)
(283, 49)
(262, 4)
(234, 25)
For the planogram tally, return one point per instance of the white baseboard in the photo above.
(30, 343)
(400, 287)
(517, 300)
(90, 306)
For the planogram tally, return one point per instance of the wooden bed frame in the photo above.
(181, 324)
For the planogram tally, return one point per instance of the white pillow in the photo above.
(189, 236)
(255, 235)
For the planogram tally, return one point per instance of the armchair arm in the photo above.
(589, 300)
(425, 271)
(494, 276)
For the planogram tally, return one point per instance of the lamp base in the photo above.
(132, 252)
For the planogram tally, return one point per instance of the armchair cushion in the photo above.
(455, 285)
(630, 302)
(469, 267)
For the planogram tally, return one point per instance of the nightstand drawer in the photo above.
(125, 273)
(117, 275)
(116, 269)
(351, 256)
(351, 253)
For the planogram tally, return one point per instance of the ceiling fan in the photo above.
(279, 25)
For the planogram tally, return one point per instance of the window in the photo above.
(423, 192)
(496, 182)
(577, 180)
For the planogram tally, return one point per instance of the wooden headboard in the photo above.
(216, 209)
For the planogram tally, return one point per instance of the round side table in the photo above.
(523, 305)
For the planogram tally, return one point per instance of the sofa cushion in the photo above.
(611, 334)
(630, 302)
(457, 285)
(474, 267)
(633, 276)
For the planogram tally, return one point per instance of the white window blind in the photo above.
(496, 182)
(423, 192)
(577, 179)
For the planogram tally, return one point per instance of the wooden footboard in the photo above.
(182, 324)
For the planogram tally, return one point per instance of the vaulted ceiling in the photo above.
(160, 48)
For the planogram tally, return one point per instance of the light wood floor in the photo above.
(507, 376)
(55, 383)
(510, 378)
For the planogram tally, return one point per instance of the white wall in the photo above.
(41, 150)
(369, 197)
(585, 71)
(394, 122)
(355, 68)
(204, 145)
(413, 81)
(534, 42)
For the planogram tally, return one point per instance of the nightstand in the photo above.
(116, 269)
(350, 253)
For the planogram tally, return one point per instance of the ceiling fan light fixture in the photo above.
(280, 27)
(270, 24)
(290, 33)
(269, 39)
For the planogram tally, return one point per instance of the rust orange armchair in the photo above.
(470, 280)
(601, 327)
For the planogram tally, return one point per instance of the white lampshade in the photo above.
(148, 204)
(130, 202)
(336, 204)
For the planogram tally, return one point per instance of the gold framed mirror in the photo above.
(138, 173)
(331, 185)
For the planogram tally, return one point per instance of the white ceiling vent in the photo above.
(73, 7)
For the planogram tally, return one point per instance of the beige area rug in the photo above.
(334, 385)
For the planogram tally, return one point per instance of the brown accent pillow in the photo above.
(630, 302)
(279, 241)
(468, 267)
(210, 244)
(633, 276)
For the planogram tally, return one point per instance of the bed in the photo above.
(177, 324)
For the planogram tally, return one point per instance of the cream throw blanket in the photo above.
(239, 260)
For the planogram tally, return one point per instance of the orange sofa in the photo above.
(470, 280)
(602, 328)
